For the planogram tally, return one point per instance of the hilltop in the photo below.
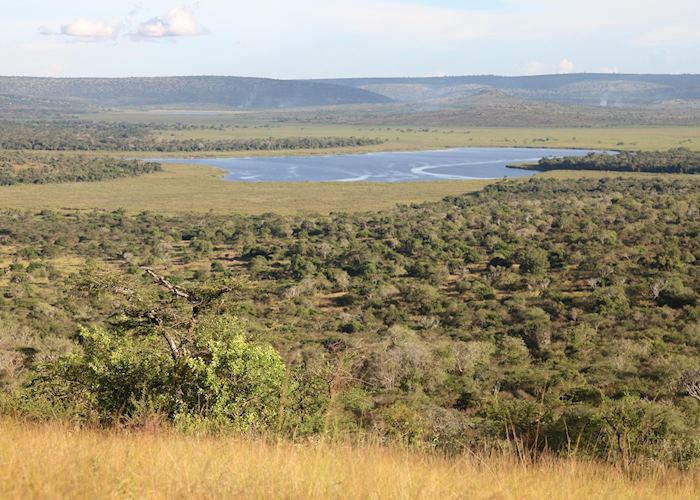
(590, 90)
(598, 89)
(188, 91)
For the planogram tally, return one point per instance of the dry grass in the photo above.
(186, 188)
(53, 461)
(408, 139)
(401, 138)
(419, 138)
(196, 188)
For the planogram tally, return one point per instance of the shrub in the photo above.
(222, 379)
(611, 301)
(533, 260)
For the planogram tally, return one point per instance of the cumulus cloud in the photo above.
(180, 21)
(536, 68)
(88, 29)
(566, 66)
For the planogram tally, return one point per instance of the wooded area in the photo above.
(673, 161)
(545, 316)
(28, 167)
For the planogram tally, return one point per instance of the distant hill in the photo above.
(213, 91)
(548, 100)
(492, 108)
(17, 106)
(598, 89)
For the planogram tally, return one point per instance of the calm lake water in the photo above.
(463, 163)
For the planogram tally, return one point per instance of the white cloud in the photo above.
(536, 68)
(180, 21)
(566, 66)
(370, 37)
(88, 29)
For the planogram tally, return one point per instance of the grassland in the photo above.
(182, 188)
(188, 188)
(56, 461)
(407, 138)
(243, 125)
(185, 188)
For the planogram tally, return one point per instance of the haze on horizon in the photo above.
(341, 38)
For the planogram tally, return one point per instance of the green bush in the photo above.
(222, 378)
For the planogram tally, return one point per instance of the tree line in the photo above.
(673, 161)
(104, 136)
(26, 167)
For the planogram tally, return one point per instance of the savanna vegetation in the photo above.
(173, 335)
(540, 317)
(26, 167)
(170, 335)
(105, 136)
(674, 161)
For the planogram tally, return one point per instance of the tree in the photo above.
(228, 382)
(533, 260)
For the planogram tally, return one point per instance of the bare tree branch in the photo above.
(174, 289)
(690, 383)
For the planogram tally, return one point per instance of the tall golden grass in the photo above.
(57, 461)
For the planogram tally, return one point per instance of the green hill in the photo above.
(200, 91)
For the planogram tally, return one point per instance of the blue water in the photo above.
(463, 163)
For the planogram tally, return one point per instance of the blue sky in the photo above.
(340, 38)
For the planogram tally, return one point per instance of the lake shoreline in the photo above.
(473, 163)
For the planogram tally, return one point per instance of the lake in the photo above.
(461, 163)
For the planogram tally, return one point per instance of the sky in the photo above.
(347, 38)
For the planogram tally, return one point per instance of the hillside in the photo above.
(26, 107)
(527, 313)
(489, 108)
(598, 90)
(208, 91)
(584, 100)
(591, 89)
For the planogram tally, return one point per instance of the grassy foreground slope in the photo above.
(53, 461)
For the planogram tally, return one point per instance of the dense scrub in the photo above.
(674, 161)
(544, 315)
(102, 136)
(25, 167)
